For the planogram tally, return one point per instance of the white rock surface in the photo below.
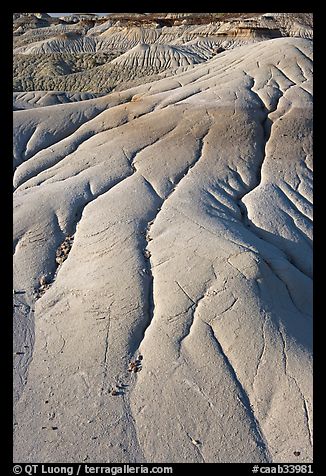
(31, 99)
(190, 202)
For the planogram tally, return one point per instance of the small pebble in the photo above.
(195, 442)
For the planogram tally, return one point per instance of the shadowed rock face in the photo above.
(162, 264)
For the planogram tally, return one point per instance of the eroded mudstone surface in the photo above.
(190, 202)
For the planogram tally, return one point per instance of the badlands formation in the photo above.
(163, 239)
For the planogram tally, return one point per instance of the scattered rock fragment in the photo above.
(195, 442)
(135, 366)
(44, 285)
(147, 254)
(64, 249)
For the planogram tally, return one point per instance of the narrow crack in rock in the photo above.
(244, 398)
(294, 380)
(106, 357)
(277, 275)
(261, 355)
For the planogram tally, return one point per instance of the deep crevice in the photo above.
(147, 254)
(266, 125)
